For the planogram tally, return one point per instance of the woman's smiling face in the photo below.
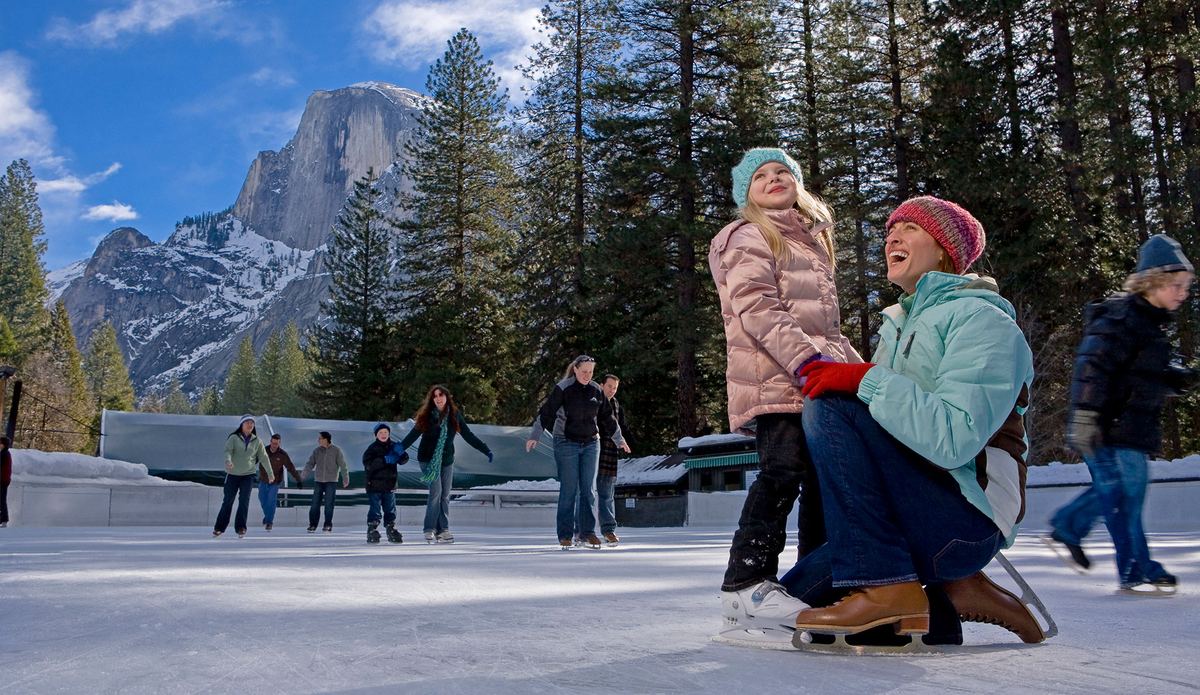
(911, 252)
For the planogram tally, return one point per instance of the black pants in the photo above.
(4, 503)
(239, 485)
(785, 473)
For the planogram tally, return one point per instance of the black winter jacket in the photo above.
(577, 413)
(381, 475)
(1123, 370)
(429, 439)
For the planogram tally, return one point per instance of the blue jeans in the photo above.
(890, 515)
(383, 506)
(322, 493)
(785, 472)
(606, 487)
(437, 506)
(577, 465)
(1118, 493)
(235, 485)
(268, 493)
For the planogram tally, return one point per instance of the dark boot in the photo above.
(372, 531)
(394, 535)
(978, 599)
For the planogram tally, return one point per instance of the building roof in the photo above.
(651, 470)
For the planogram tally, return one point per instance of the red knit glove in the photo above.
(823, 377)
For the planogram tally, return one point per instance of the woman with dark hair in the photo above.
(578, 415)
(438, 420)
(244, 451)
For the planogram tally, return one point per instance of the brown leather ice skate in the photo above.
(980, 600)
(904, 605)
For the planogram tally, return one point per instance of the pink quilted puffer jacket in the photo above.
(776, 315)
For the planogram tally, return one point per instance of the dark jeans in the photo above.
(239, 485)
(785, 472)
(891, 516)
(4, 502)
(385, 501)
(322, 492)
(1118, 493)
(577, 463)
(606, 486)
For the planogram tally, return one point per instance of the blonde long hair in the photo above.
(812, 210)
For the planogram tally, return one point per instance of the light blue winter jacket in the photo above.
(950, 366)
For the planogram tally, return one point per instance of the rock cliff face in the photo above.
(181, 308)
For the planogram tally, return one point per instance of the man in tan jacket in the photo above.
(329, 464)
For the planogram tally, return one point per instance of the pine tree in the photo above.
(241, 382)
(270, 386)
(295, 374)
(107, 375)
(22, 278)
(210, 402)
(152, 403)
(694, 92)
(353, 378)
(10, 350)
(175, 402)
(457, 247)
(558, 177)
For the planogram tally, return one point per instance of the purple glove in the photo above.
(815, 358)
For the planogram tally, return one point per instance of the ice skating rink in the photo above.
(141, 610)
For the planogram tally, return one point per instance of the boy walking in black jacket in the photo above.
(380, 461)
(1123, 375)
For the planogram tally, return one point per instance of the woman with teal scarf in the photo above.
(438, 420)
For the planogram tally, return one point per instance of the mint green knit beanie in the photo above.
(750, 163)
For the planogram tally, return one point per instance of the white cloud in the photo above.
(117, 212)
(272, 77)
(25, 131)
(138, 17)
(70, 183)
(413, 33)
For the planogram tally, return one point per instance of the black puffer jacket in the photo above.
(381, 475)
(1123, 370)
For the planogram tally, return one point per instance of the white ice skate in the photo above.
(1160, 588)
(429, 538)
(445, 537)
(766, 604)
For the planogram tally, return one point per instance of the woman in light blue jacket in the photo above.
(920, 453)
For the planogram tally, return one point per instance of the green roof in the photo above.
(738, 459)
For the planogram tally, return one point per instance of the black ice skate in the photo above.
(1071, 554)
(373, 532)
(394, 535)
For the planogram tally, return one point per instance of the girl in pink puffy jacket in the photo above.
(774, 273)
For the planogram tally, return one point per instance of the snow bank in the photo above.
(709, 439)
(32, 467)
(1057, 473)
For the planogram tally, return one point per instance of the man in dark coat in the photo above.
(606, 478)
(268, 492)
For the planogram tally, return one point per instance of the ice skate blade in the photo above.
(1029, 598)
(1064, 555)
(1149, 592)
(778, 638)
(803, 641)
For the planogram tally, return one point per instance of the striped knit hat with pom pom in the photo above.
(951, 226)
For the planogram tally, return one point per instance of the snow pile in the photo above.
(649, 470)
(1057, 473)
(710, 439)
(32, 467)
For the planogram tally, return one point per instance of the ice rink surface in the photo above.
(172, 610)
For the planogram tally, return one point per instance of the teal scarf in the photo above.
(435, 466)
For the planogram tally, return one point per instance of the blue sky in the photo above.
(140, 112)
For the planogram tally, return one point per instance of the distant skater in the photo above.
(5, 479)
(268, 493)
(606, 477)
(326, 464)
(578, 416)
(437, 421)
(244, 451)
(1123, 376)
(379, 462)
